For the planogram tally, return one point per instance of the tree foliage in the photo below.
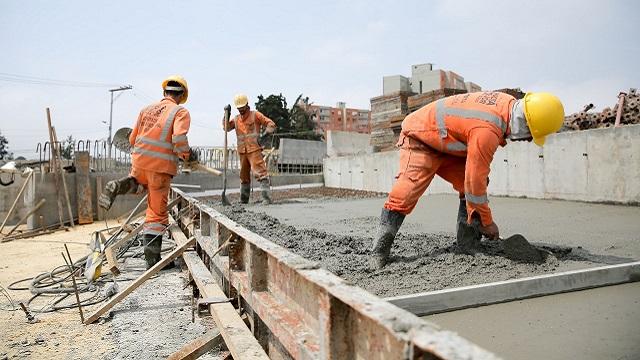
(5, 154)
(294, 123)
(67, 147)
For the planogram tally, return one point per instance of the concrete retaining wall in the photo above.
(293, 151)
(600, 165)
(342, 143)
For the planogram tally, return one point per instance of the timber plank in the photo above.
(139, 281)
(237, 336)
(198, 347)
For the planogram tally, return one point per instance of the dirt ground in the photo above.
(336, 228)
(152, 322)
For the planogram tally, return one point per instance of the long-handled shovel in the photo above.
(225, 155)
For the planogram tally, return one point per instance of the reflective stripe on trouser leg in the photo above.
(417, 169)
(153, 228)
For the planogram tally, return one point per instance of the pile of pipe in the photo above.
(626, 111)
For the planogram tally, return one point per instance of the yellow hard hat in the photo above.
(544, 113)
(240, 100)
(180, 80)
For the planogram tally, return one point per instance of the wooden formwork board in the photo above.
(434, 302)
(298, 310)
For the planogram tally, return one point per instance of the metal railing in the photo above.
(210, 156)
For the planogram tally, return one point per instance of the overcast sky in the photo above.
(584, 51)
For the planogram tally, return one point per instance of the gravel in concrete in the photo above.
(420, 261)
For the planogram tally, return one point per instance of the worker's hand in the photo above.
(194, 156)
(490, 231)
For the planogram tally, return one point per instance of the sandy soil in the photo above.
(153, 322)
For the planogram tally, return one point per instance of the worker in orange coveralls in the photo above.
(158, 140)
(248, 125)
(456, 138)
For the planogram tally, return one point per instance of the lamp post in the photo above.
(121, 88)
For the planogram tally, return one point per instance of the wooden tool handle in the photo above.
(207, 169)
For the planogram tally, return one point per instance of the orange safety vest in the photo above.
(468, 125)
(158, 139)
(248, 131)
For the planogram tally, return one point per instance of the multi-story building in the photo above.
(425, 78)
(340, 118)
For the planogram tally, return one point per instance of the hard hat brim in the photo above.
(539, 141)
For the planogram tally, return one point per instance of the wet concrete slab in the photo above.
(592, 324)
(610, 231)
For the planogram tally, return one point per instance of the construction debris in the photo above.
(627, 113)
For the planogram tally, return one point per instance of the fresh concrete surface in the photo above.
(609, 232)
(592, 324)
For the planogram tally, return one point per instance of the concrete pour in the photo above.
(338, 233)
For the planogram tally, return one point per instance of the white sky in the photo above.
(584, 51)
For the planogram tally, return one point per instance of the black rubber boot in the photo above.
(245, 192)
(468, 236)
(265, 190)
(152, 247)
(114, 188)
(390, 222)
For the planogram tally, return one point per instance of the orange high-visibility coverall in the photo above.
(250, 152)
(455, 138)
(159, 138)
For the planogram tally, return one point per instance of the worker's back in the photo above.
(152, 138)
(447, 125)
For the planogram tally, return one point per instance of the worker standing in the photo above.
(456, 138)
(159, 139)
(248, 125)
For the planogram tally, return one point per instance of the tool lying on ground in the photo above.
(121, 142)
(516, 247)
(225, 155)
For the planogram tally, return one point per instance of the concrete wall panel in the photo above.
(601, 165)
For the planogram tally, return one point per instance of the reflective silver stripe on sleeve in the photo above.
(169, 123)
(155, 154)
(456, 146)
(478, 200)
(179, 138)
(476, 114)
(183, 148)
(440, 112)
(148, 141)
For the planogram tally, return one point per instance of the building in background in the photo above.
(340, 118)
(424, 78)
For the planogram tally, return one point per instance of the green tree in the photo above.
(4, 149)
(67, 147)
(294, 123)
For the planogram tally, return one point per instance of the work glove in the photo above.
(194, 156)
(490, 231)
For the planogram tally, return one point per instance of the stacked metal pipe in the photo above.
(626, 111)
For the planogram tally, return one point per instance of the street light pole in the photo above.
(121, 88)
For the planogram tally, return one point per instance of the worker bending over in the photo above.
(248, 125)
(456, 138)
(158, 140)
